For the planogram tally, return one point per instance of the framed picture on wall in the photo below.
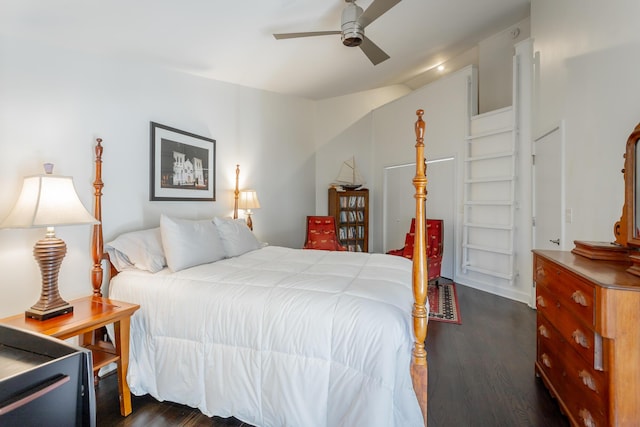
(183, 165)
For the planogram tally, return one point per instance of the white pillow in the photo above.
(236, 236)
(188, 243)
(137, 249)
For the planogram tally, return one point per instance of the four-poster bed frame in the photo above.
(419, 371)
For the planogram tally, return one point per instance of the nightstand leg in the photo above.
(85, 339)
(121, 330)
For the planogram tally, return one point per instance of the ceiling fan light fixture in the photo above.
(354, 21)
(352, 30)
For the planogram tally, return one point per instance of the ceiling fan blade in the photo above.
(308, 34)
(373, 52)
(375, 10)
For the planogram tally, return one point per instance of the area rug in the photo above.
(443, 302)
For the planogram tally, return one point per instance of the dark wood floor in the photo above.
(480, 374)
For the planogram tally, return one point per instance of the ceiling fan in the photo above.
(354, 21)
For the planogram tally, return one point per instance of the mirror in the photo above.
(636, 186)
(626, 247)
(627, 230)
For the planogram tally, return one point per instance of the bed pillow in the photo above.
(188, 243)
(236, 236)
(137, 249)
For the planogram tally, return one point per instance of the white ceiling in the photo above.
(232, 41)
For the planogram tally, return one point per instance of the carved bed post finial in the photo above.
(236, 194)
(96, 239)
(420, 275)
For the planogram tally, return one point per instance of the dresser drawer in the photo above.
(586, 342)
(548, 359)
(601, 299)
(583, 390)
(570, 290)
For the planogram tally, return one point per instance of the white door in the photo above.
(548, 202)
(399, 205)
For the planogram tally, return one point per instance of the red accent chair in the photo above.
(435, 229)
(322, 235)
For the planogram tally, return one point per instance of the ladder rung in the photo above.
(488, 249)
(489, 203)
(490, 156)
(506, 276)
(486, 134)
(506, 227)
(489, 179)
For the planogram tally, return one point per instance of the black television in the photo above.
(44, 381)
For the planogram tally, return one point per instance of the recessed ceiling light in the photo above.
(441, 68)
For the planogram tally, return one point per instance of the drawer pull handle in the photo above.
(546, 360)
(540, 301)
(580, 338)
(35, 392)
(588, 380)
(587, 419)
(543, 331)
(540, 272)
(579, 298)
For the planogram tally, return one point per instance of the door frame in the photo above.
(563, 217)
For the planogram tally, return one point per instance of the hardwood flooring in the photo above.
(480, 374)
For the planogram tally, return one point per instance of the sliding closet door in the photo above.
(399, 205)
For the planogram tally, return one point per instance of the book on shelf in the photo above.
(343, 233)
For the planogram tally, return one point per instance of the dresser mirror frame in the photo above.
(627, 230)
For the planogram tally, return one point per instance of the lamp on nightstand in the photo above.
(48, 201)
(248, 200)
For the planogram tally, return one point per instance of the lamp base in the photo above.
(34, 313)
(49, 253)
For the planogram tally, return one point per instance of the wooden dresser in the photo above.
(588, 337)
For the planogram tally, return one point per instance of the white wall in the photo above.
(342, 130)
(588, 76)
(445, 104)
(53, 105)
(354, 141)
(385, 137)
(495, 59)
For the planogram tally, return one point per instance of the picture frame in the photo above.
(182, 167)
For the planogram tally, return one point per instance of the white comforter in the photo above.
(278, 337)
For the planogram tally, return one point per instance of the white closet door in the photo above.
(548, 202)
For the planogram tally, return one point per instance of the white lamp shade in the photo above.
(47, 201)
(248, 200)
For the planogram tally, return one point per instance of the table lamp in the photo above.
(248, 200)
(47, 201)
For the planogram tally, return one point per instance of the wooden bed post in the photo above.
(96, 239)
(236, 194)
(419, 372)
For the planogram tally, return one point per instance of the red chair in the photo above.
(322, 235)
(435, 228)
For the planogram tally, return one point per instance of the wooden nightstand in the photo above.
(89, 314)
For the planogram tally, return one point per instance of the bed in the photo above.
(270, 335)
